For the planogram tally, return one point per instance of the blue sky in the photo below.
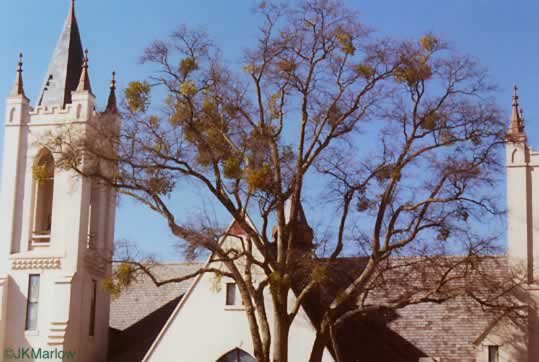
(500, 34)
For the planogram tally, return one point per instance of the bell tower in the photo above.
(522, 205)
(56, 229)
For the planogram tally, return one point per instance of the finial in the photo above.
(19, 68)
(18, 89)
(113, 81)
(515, 95)
(111, 103)
(84, 83)
(517, 124)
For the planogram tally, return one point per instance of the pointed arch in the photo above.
(237, 355)
(43, 175)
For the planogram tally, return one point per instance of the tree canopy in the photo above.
(403, 136)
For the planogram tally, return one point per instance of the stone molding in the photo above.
(57, 333)
(60, 318)
(39, 110)
(36, 263)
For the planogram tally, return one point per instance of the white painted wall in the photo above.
(203, 328)
(512, 343)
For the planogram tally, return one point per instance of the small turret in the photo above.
(516, 129)
(112, 107)
(18, 88)
(84, 82)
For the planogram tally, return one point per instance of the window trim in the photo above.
(230, 292)
(238, 302)
(40, 238)
(31, 301)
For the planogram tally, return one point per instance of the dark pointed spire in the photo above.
(302, 219)
(304, 233)
(18, 88)
(84, 82)
(111, 103)
(517, 123)
(65, 67)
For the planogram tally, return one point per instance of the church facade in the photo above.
(57, 230)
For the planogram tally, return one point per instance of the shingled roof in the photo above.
(140, 312)
(446, 330)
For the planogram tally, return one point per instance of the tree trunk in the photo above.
(319, 345)
(281, 328)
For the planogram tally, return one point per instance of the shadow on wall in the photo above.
(525, 343)
(16, 306)
(518, 335)
(133, 343)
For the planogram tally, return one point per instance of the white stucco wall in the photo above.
(511, 340)
(203, 328)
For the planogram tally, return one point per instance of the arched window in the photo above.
(43, 174)
(237, 355)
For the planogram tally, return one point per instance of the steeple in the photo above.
(84, 82)
(304, 233)
(112, 107)
(65, 67)
(517, 124)
(302, 219)
(18, 88)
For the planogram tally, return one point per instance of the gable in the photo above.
(202, 315)
(140, 312)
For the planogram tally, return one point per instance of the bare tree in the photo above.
(405, 134)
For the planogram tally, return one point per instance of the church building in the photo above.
(57, 230)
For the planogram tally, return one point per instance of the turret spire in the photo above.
(84, 82)
(65, 67)
(18, 88)
(517, 123)
(111, 103)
